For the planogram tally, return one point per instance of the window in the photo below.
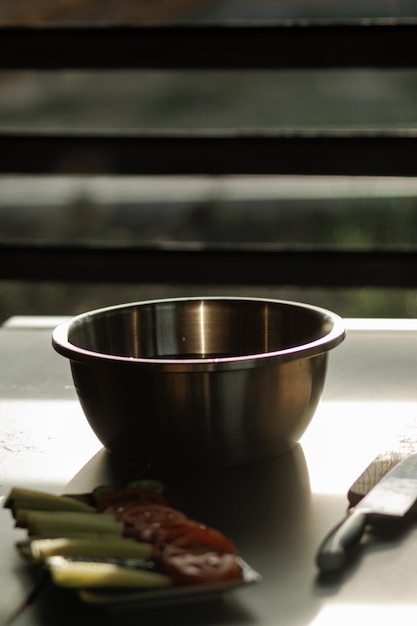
(108, 209)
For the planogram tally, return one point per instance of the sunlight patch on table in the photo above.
(361, 614)
(53, 441)
(344, 437)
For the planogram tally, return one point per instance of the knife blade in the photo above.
(400, 446)
(393, 496)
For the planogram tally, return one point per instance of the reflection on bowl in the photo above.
(209, 381)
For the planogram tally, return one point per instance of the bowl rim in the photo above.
(324, 343)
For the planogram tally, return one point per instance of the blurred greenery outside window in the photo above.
(345, 212)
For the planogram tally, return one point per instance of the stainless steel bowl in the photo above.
(207, 381)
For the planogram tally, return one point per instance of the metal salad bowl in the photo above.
(211, 381)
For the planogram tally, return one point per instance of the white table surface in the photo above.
(276, 512)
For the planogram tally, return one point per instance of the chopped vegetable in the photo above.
(47, 523)
(199, 565)
(147, 485)
(40, 501)
(194, 553)
(82, 575)
(115, 500)
(131, 538)
(190, 535)
(151, 485)
(144, 522)
(114, 547)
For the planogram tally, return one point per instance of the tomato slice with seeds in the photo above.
(193, 535)
(118, 499)
(186, 550)
(194, 553)
(145, 522)
(199, 565)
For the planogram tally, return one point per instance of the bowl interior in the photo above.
(200, 328)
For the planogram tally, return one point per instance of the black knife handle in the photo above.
(334, 551)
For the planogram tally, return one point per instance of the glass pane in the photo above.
(46, 298)
(350, 213)
(218, 100)
(203, 11)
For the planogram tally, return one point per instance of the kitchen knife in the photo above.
(402, 444)
(393, 496)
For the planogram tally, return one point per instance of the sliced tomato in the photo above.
(118, 499)
(194, 553)
(145, 522)
(186, 550)
(192, 535)
(199, 565)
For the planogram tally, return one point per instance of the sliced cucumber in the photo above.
(30, 499)
(84, 574)
(108, 547)
(59, 523)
